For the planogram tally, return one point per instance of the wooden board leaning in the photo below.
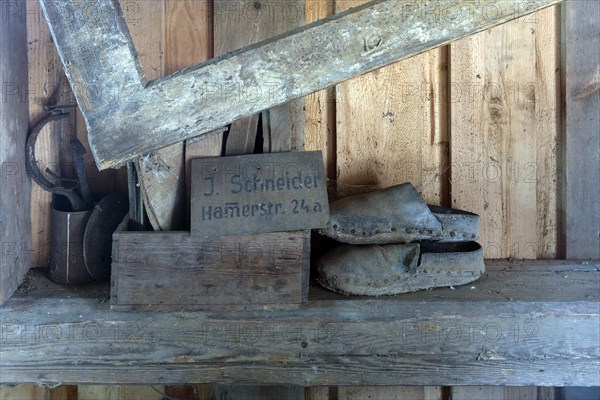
(128, 117)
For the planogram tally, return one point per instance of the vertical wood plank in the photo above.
(191, 392)
(477, 393)
(126, 392)
(36, 392)
(582, 158)
(161, 173)
(389, 393)
(43, 64)
(231, 392)
(47, 86)
(190, 38)
(494, 393)
(239, 24)
(548, 127)
(15, 228)
(320, 106)
(504, 124)
(391, 125)
(318, 393)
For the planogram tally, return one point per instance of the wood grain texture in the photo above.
(48, 85)
(320, 106)
(241, 138)
(237, 25)
(390, 129)
(176, 271)
(391, 125)
(189, 40)
(15, 228)
(318, 393)
(190, 392)
(36, 392)
(236, 392)
(297, 57)
(535, 316)
(118, 392)
(504, 122)
(161, 173)
(389, 393)
(582, 158)
(494, 393)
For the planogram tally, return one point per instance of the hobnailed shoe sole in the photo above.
(381, 270)
(397, 214)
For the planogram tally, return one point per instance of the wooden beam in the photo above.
(127, 117)
(15, 224)
(526, 319)
(582, 157)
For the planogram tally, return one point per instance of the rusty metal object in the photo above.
(78, 151)
(68, 227)
(63, 187)
(97, 240)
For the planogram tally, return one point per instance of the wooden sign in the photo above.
(127, 117)
(258, 193)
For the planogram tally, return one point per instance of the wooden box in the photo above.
(172, 271)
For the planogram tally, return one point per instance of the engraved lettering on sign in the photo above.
(258, 193)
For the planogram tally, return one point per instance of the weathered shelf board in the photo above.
(526, 319)
(127, 117)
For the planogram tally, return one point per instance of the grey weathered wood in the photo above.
(238, 25)
(548, 313)
(127, 118)
(171, 271)
(283, 126)
(582, 159)
(15, 186)
(258, 193)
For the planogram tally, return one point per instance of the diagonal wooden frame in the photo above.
(127, 116)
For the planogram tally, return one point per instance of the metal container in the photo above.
(68, 229)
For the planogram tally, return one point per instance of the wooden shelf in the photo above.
(523, 323)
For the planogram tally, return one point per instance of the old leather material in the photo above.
(397, 214)
(375, 270)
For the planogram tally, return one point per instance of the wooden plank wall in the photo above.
(474, 125)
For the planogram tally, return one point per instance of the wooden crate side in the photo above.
(173, 270)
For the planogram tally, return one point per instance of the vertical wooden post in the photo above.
(582, 140)
(15, 186)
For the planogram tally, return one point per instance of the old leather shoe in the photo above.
(375, 270)
(397, 214)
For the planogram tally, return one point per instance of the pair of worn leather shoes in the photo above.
(397, 244)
